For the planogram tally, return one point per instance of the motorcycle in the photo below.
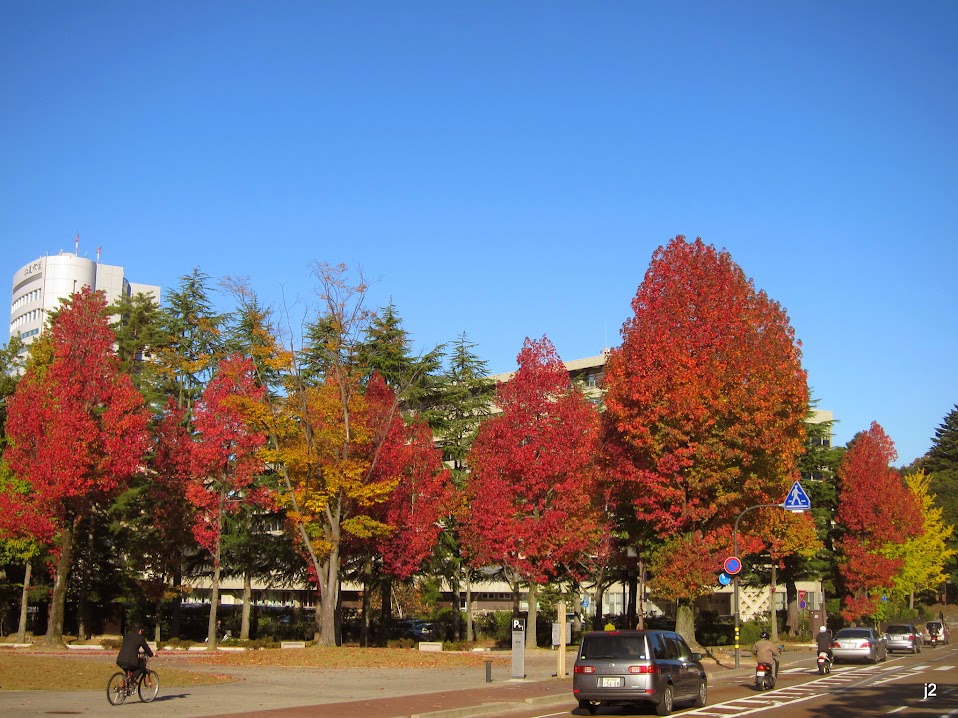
(933, 639)
(824, 663)
(764, 676)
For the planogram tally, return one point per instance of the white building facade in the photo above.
(39, 286)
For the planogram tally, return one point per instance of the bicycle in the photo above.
(145, 681)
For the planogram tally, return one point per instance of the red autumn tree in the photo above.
(419, 499)
(875, 509)
(171, 512)
(529, 499)
(77, 433)
(706, 400)
(226, 460)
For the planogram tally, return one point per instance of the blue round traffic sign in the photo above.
(725, 579)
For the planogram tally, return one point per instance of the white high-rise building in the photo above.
(39, 286)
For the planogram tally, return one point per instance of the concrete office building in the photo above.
(39, 286)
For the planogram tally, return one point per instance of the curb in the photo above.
(497, 708)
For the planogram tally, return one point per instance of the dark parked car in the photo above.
(638, 667)
(902, 637)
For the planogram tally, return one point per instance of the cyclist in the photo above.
(129, 658)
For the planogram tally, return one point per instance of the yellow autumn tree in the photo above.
(926, 554)
(326, 429)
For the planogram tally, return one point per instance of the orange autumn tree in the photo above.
(876, 510)
(705, 404)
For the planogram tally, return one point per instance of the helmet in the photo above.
(823, 628)
(764, 635)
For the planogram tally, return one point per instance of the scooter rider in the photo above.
(766, 652)
(824, 641)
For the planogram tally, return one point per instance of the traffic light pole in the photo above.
(735, 577)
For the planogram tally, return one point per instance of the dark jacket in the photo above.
(129, 657)
(824, 641)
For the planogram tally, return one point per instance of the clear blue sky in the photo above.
(506, 169)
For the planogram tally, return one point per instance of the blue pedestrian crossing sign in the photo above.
(797, 499)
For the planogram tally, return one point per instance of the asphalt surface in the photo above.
(279, 692)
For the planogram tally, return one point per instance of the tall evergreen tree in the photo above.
(193, 344)
(386, 349)
(941, 463)
(138, 328)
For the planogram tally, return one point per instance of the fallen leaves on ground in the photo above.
(345, 657)
(21, 671)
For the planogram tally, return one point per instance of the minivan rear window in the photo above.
(898, 629)
(614, 646)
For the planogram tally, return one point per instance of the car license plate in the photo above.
(611, 681)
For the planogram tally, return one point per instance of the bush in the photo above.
(496, 627)
(111, 644)
(400, 643)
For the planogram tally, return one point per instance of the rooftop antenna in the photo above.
(98, 250)
(76, 245)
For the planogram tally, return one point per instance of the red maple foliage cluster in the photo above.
(531, 497)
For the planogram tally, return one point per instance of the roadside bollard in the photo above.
(488, 671)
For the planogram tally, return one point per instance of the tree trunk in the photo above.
(531, 640)
(54, 636)
(367, 587)
(470, 635)
(247, 606)
(211, 636)
(457, 610)
(631, 620)
(386, 609)
(24, 598)
(773, 616)
(685, 625)
(597, 618)
(176, 611)
(329, 586)
(85, 578)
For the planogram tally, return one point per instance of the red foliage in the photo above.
(530, 496)
(419, 500)
(875, 508)
(77, 428)
(225, 452)
(172, 466)
(706, 396)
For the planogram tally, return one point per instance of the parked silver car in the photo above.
(902, 637)
(638, 667)
(858, 644)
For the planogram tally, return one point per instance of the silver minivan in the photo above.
(638, 667)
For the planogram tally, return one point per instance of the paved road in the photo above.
(313, 693)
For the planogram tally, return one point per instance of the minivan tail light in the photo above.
(651, 668)
(584, 669)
